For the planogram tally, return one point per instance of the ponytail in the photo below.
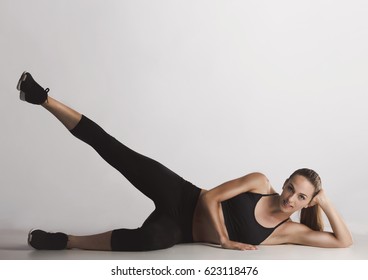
(312, 218)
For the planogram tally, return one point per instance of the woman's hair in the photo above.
(311, 216)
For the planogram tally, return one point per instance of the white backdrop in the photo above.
(212, 89)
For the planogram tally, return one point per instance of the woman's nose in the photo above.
(291, 198)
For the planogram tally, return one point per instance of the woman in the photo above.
(238, 214)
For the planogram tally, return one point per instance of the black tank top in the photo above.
(240, 221)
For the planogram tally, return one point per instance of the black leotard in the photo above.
(240, 220)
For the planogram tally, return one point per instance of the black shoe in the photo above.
(30, 91)
(42, 240)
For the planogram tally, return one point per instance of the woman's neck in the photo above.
(275, 208)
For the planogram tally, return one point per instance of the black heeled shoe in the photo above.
(42, 240)
(30, 90)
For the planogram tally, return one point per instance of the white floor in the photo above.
(13, 246)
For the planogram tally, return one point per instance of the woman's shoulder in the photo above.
(262, 184)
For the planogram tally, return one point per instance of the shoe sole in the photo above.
(30, 237)
(22, 79)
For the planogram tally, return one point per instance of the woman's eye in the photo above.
(289, 188)
(302, 197)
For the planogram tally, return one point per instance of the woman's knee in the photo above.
(147, 238)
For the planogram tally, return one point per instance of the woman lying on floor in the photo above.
(238, 214)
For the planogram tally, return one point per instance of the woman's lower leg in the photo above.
(68, 116)
(98, 242)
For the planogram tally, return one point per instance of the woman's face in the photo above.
(296, 194)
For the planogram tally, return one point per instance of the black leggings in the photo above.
(175, 198)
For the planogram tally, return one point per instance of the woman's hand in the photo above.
(228, 244)
(318, 199)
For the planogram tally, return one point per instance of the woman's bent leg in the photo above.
(98, 242)
(160, 234)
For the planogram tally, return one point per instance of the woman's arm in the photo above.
(256, 182)
(340, 236)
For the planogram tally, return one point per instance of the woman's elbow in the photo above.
(207, 198)
(345, 243)
(348, 244)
